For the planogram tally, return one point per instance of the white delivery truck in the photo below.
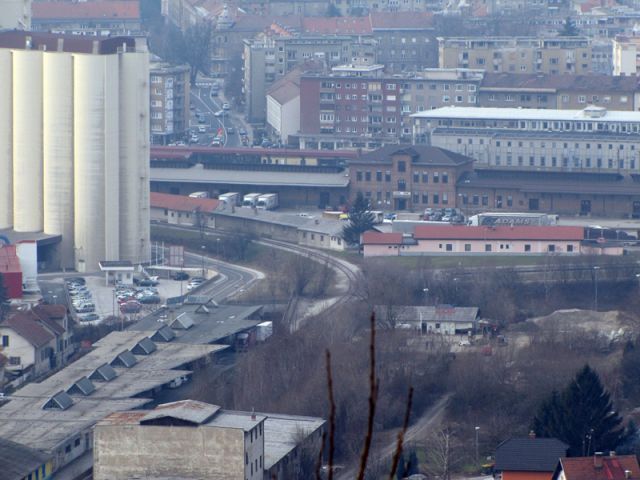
(268, 201)
(199, 195)
(250, 200)
(231, 199)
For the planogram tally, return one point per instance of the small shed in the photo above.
(117, 271)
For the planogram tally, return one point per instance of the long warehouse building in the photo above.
(74, 144)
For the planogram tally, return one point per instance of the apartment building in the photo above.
(270, 58)
(555, 55)
(358, 7)
(563, 92)
(626, 55)
(398, 177)
(169, 102)
(364, 107)
(590, 140)
(100, 17)
(15, 14)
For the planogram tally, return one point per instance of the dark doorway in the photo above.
(585, 207)
(534, 204)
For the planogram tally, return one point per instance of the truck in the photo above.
(268, 201)
(199, 195)
(512, 219)
(250, 200)
(231, 199)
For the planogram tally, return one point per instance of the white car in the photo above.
(202, 129)
(219, 113)
(226, 106)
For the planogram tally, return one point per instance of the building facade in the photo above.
(626, 55)
(555, 55)
(74, 160)
(363, 107)
(15, 14)
(169, 102)
(563, 92)
(101, 18)
(589, 140)
(408, 178)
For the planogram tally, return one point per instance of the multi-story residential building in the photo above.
(169, 102)
(74, 117)
(408, 177)
(556, 55)
(269, 59)
(249, 445)
(358, 7)
(362, 107)
(564, 92)
(285, 7)
(99, 17)
(626, 55)
(588, 140)
(15, 14)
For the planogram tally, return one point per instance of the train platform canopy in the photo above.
(198, 174)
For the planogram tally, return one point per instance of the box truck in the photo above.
(268, 201)
(250, 200)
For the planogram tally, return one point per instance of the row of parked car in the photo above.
(82, 299)
(451, 215)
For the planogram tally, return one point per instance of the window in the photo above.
(487, 247)
(402, 166)
(367, 176)
(378, 176)
(359, 176)
(387, 176)
(445, 177)
(570, 248)
(14, 360)
(436, 198)
(416, 178)
(449, 247)
(76, 443)
(527, 247)
(445, 198)
(402, 185)
(551, 248)
(425, 198)
(485, 200)
(436, 177)
(5, 340)
(67, 449)
(509, 201)
(467, 247)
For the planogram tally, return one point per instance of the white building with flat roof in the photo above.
(593, 139)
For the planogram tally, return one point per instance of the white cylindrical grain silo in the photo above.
(27, 141)
(134, 156)
(57, 128)
(6, 142)
(96, 163)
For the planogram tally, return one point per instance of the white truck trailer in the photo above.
(231, 199)
(250, 200)
(268, 201)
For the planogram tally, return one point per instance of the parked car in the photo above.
(242, 132)
(78, 280)
(131, 306)
(202, 129)
(149, 299)
(89, 317)
(226, 106)
(219, 113)
(180, 276)
(148, 282)
(86, 308)
(231, 131)
(216, 143)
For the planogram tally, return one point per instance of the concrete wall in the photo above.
(123, 451)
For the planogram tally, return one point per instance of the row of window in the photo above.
(488, 247)
(418, 177)
(545, 125)
(541, 161)
(417, 198)
(564, 98)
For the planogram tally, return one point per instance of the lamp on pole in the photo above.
(426, 294)
(202, 259)
(595, 293)
(477, 443)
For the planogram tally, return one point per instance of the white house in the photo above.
(283, 107)
(27, 344)
(440, 319)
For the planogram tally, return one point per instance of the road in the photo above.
(233, 279)
(416, 433)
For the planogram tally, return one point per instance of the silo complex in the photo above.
(6, 142)
(74, 144)
(57, 130)
(27, 141)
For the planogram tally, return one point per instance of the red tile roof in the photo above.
(9, 262)
(181, 203)
(377, 238)
(25, 326)
(464, 232)
(613, 468)
(111, 9)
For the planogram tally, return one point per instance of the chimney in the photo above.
(627, 474)
(253, 414)
(532, 435)
(612, 453)
(597, 460)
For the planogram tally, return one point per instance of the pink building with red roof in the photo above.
(468, 240)
(11, 271)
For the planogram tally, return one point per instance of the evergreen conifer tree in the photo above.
(360, 220)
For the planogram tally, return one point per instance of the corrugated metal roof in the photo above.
(191, 411)
(18, 461)
(413, 313)
(124, 359)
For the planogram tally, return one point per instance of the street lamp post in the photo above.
(202, 259)
(426, 295)
(595, 293)
(477, 443)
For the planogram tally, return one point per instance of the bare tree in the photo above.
(443, 453)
